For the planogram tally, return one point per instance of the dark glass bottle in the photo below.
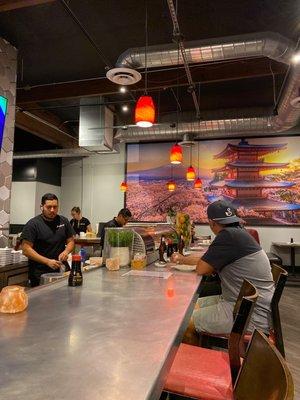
(169, 248)
(162, 249)
(181, 245)
(75, 277)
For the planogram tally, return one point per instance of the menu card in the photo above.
(152, 274)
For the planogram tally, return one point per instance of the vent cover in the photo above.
(123, 76)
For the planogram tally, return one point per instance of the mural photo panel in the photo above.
(259, 176)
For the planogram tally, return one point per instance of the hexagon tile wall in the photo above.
(8, 78)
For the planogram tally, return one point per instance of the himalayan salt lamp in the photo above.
(13, 299)
(113, 264)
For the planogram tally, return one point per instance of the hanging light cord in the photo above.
(198, 161)
(191, 161)
(146, 46)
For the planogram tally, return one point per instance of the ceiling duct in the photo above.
(260, 44)
(266, 44)
(96, 123)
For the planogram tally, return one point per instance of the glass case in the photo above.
(147, 238)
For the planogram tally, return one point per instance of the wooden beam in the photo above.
(40, 127)
(225, 71)
(8, 5)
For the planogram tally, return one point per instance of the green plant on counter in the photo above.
(120, 238)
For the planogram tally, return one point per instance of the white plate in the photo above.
(184, 267)
(197, 248)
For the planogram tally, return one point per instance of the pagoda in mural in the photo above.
(241, 182)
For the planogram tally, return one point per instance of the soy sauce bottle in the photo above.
(75, 277)
(162, 249)
(169, 248)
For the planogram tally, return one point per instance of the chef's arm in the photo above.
(70, 245)
(28, 251)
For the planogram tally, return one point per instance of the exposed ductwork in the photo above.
(261, 44)
(61, 153)
(266, 44)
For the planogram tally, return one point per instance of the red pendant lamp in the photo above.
(176, 154)
(144, 112)
(190, 173)
(171, 186)
(144, 115)
(123, 187)
(198, 183)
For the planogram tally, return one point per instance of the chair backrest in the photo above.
(264, 373)
(254, 234)
(242, 313)
(100, 227)
(279, 276)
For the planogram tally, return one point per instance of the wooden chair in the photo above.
(205, 373)
(263, 375)
(280, 277)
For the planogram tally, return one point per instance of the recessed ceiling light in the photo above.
(296, 58)
(125, 108)
(122, 89)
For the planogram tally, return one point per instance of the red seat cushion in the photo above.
(200, 373)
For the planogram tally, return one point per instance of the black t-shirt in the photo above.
(231, 244)
(110, 224)
(80, 226)
(48, 237)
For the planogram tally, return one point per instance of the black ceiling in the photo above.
(52, 48)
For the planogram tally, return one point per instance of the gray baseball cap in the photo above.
(222, 212)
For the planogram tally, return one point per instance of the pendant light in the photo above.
(198, 182)
(176, 150)
(176, 154)
(190, 173)
(123, 186)
(144, 114)
(171, 185)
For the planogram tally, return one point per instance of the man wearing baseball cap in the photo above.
(234, 255)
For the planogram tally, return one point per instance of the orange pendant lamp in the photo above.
(190, 174)
(144, 112)
(176, 154)
(198, 183)
(171, 186)
(123, 187)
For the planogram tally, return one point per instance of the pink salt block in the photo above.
(13, 299)
(113, 264)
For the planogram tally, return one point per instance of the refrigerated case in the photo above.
(147, 238)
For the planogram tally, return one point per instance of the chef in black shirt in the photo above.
(120, 220)
(78, 222)
(47, 240)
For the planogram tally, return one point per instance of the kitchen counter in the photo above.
(114, 338)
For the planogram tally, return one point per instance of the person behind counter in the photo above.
(235, 256)
(78, 222)
(47, 240)
(122, 218)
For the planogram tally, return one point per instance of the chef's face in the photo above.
(50, 209)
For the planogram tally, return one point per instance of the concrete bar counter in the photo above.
(114, 338)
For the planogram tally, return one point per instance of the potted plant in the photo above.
(120, 241)
(171, 215)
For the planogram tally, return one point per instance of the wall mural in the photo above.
(261, 177)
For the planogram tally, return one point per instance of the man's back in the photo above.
(236, 256)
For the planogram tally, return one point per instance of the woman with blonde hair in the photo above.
(78, 222)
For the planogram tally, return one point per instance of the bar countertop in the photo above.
(114, 338)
